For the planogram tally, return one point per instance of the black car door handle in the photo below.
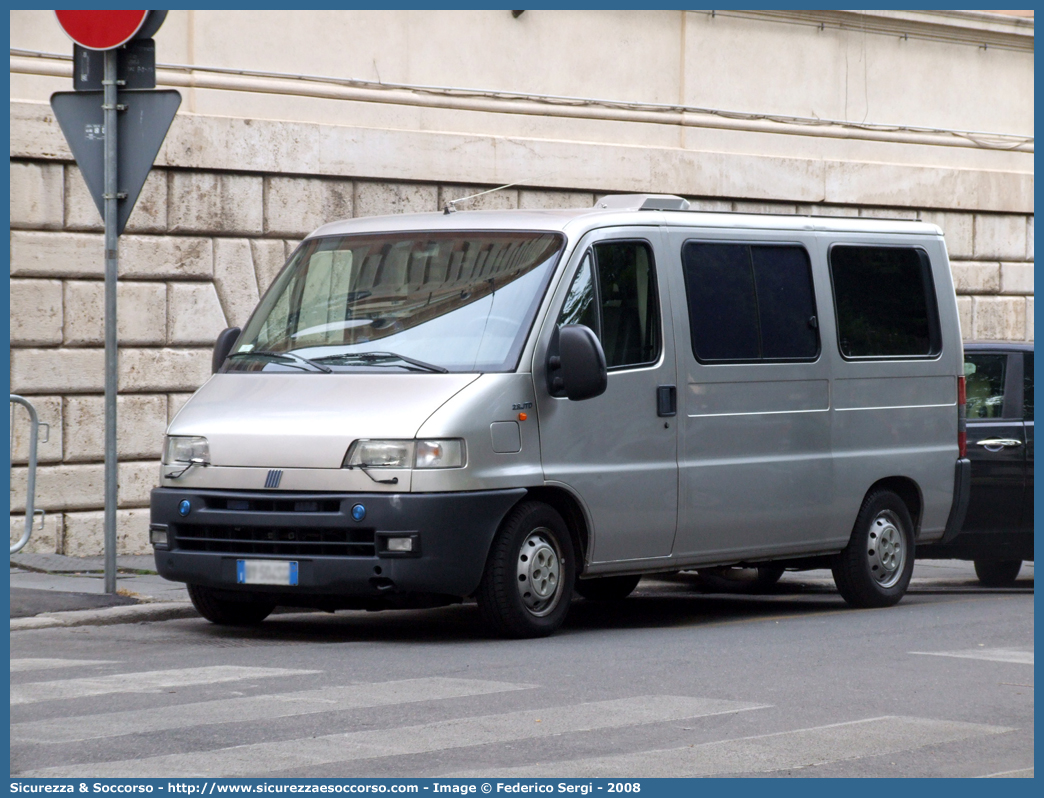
(996, 444)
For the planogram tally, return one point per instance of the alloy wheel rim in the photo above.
(886, 549)
(539, 573)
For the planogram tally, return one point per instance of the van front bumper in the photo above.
(338, 553)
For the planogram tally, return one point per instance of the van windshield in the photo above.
(461, 301)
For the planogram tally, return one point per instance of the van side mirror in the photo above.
(222, 346)
(578, 370)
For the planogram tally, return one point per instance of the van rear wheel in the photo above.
(528, 583)
(874, 569)
(227, 612)
(997, 573)
(607, 588)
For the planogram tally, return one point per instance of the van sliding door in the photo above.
(755, 468)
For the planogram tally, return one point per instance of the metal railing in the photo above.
(30, 489)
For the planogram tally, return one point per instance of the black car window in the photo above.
(1027, 387)
(984, 383)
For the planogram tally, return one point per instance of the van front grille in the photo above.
(283, 541)
(267, 505)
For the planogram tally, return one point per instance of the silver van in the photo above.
(518, 406)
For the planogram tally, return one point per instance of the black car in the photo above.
(998, 528)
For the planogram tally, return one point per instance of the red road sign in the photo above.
(101, 30)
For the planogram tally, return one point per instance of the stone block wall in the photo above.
(200, 249)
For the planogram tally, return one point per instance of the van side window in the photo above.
(749, 302)
(580, 306)
(614, 293)
(885, 302)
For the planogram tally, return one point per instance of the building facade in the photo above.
(290, 120)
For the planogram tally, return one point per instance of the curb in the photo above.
(137, 613)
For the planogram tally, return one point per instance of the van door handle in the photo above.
(996, 444)
(666, 401)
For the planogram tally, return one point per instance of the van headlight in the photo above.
(183, 449)
(448, 453)
(379, 454)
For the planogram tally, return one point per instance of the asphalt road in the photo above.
(671, 682)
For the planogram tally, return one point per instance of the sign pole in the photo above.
(92, 133)
(109, 106)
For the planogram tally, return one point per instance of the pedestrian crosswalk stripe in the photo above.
(1017, 656)
(766, 753)
(22, 665)
(254, 708)
(147, 682)
(1023, 773)
(269, 757)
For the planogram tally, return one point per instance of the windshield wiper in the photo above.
(311, 364)
(377, 357)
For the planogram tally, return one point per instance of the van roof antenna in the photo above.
(451, 206)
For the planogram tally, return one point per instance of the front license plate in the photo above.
(266, 572)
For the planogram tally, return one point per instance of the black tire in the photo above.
(607, 588)
(736, 579)
(767, 577)
(997, 573)
(874, 569)
(226, 612)
(528, 583)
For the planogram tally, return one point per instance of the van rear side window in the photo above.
(885, 302)
(750, 303)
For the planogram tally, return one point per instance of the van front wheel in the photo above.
(528, 583)
(875, 567)
(226, 612)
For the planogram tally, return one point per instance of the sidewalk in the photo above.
(56, 590)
